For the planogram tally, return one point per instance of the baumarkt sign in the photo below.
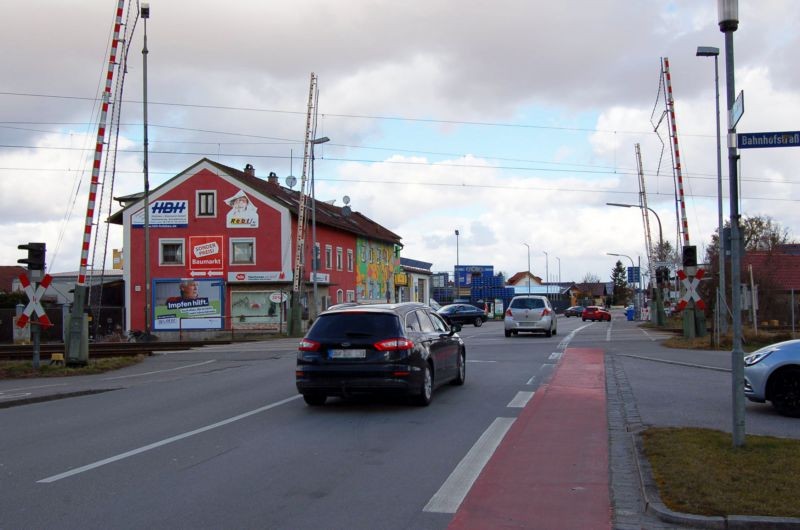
(768, 139)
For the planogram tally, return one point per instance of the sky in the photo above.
(513, 121)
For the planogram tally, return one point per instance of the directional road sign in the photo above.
(768, 139)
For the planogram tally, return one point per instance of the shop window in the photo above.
(170, 252)
(351, 296)
(243, 251)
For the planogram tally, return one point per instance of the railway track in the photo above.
(97, 350)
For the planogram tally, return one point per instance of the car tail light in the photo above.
(394, 344)
(309, 345)
(509, 313)
(545, 312)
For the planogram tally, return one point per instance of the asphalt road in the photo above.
(218, 437)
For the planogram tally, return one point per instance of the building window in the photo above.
(338, 258)
(349, 260)
(243, 251)
(206, 205)
(339, 296)
(328, 257)
(170, 251)
(351, 296)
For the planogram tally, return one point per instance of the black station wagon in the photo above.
(353, 349)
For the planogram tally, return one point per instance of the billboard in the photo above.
(164, 214)
(187, 303)
(206, 255)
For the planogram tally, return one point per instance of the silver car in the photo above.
(532, 313)
(772, 373)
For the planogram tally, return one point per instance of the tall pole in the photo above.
(77, 350)
(547, 272)
(314, 256)
(728, 23)
(722, 306)
(455, 295)
(147, 295)
(529, 267)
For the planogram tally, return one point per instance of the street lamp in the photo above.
(728, 23)
(145, 13)
(710, 51)
(660, 316)
(547, 272)
(314, 256)
(455, 295)
(559, 277)
(529, 267)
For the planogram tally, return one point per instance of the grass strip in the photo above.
(698, 471)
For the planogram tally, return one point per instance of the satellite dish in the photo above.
(346, 199)
(346, 211)
(291, 181)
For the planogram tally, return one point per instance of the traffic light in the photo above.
(35, 260)
(689, 256)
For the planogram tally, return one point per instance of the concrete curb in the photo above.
(655, 507)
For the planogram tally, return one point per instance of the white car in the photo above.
(530, 313)
(772, 373)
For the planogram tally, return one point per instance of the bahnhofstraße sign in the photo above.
(768, 139)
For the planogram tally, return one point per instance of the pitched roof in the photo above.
(782, 265)
(9, 273)
(594, 288)
(326, 214)
(523, 276)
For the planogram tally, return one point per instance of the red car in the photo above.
(594, 313)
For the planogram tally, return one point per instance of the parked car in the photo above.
(532, 313)
(460, 314)
(772, 373)
(595, 313)
(405, 348)
(573, 311)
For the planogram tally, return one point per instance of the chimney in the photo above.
(250, 170)
(272, 178)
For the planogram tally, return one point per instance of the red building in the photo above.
(222, 248)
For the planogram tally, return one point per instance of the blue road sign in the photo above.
(768, 139)
(633, 274)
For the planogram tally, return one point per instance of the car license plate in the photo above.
(348, 354)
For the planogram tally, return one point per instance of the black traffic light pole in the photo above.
(36, 264)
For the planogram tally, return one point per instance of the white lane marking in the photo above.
(520, 400)
(159, 371)
(608, 331)
(458, 484)
(166, 441)
(555, 356)
(23, 388)
(564, 343)
(3, 395)
(479, 361)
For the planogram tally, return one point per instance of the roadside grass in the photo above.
(698, 471)
(750, 341)
(25, 369)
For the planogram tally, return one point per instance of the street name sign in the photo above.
(768, 139)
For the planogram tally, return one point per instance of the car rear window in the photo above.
(355, 324)
(527, 303)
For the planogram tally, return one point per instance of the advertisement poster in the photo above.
(243, 214)
(164, 214)
(262, 310)
(187, 303)
(206, 255)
